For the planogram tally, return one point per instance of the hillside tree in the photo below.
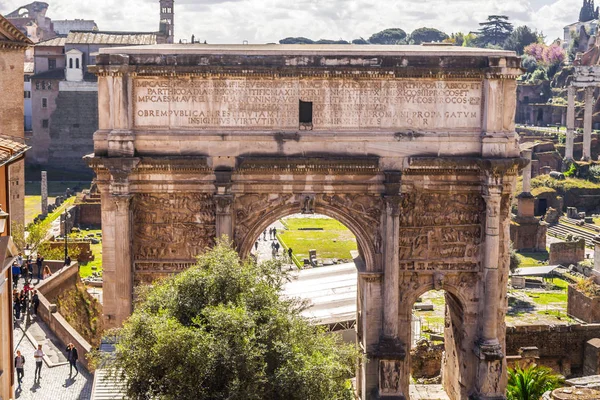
(521, 37)
(389, 36)
(425, 35)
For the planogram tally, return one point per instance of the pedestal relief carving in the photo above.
(172, 227)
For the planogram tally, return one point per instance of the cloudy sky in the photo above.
(263, 21)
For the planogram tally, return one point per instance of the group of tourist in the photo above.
(23, 299)
(25, 268)
(38, 356)
(275, 246)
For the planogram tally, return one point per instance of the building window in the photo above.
(27, 94)
(51, 63)
(44, 123)
(169, 10)
(44, 102)
(77, 63)
(306, 114)
(70, 63)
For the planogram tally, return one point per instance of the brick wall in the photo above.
(561, 347)
(583, 307)
(566, 253)
(73, 124)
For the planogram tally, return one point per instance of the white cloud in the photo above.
(261, 21)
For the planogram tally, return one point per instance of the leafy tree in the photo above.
(296, 40)
(494, 31)
(470, 40)
(456, 39)
(529, 63)
(220, 330)
(515, 260)
(31, 237)
(519, 38)
(360, 41)
(328, 41)
(531, 383)
(424, 35)
(389, 36)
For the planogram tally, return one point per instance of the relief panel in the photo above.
(440, 231)
(171, 227)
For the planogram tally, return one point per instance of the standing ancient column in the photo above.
(570, 123)
(123, 255)
(587, 123)
(527, 172)
(44, 193)
(489, 347)
(391, 267)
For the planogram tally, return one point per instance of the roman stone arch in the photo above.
(413, 149)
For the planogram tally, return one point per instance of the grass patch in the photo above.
(85, 269)
(333, 241)
(54, 215)
(548, 298)
(532, 259)
(563, 185)
(561, 315)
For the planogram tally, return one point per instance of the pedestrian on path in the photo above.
(19, 366)
(72, 356)
(290, 253)
(38, 262)
(265, 235)
(47, 272)
(17, 305)
(256, 245)
(275, 232)
(277, 247)
(39, 359)
(35, 300)
(16, 271)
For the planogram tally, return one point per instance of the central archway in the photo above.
(364, 224)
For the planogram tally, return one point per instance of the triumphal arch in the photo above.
(412, 147)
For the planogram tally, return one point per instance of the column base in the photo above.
(490, 350)
(585, 158)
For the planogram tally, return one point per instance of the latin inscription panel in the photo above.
(259, 104)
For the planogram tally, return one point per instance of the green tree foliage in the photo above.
(360, 41)
(296, 40)
(515, 260)
(424, 35)
(519, 38)
(31, 237)
(389, 36)
(531, 383)
(328, 41)
(587, 12)
(469, 40)
(221, 331)
(529, 63)
(494, 31)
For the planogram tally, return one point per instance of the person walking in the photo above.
(290, 253)
(277, 247)
(265, 235)
(47, 273)
(72, 356)
(35, 300)
(20, 367)
(38, 262)
(39, 359)
(275, 232)
(16, 271)
(17, 305)
(256, 245)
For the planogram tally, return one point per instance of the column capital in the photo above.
(122, 201)
(392, 205)
(223, 203)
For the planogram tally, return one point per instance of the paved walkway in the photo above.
(265, 251)
(55, 383)
(427, 392)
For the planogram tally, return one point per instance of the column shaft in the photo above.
(570, 123)
(391, 268)
(527, 172)
(224, 221)
(587, 123)
(492, 248)
(123, 256)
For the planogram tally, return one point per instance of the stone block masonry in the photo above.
(72, 126)
(566, 253)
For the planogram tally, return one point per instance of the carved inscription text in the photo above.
(206, 103)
